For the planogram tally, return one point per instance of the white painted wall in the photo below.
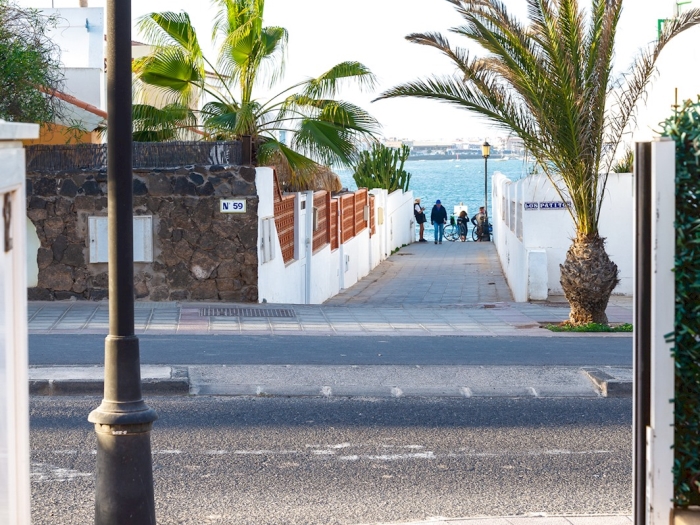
(80, 35)
(522, 235)
(326, 272)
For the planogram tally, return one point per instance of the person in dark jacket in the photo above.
(438, 218)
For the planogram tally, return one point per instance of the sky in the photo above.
(325, 32)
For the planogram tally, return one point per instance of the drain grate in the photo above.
(247, 312)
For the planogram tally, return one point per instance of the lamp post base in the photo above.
(124, 486)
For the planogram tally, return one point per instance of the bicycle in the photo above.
(455, 230)
(476, 232)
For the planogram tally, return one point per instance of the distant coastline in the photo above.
(463, 155)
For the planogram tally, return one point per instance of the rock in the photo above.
(45, 186)
(191, 236)
(232, 297)
(196, 178)
(222, 190)
(36, 203)
(228, 285)
(206, 189)
(249, 274)
(228, 269)
(159, 293)
(79, 284)
(81, 202)
(202, 265)
(59, 246)
(204, 290)
(63, 207)
(179, 295)
(53, 227)
(247, 173)
(208, 241)
(203, 214)
(36, 214)
(139, 187)
(183, 186)
(44, 258)
(165, 230)
(183, 250)
(101, 280)
(249, 237)
(225, 249)
(68, 188)
(74, 255)
(56, 277)
(242, 189)
(167, 256)
(39, 294)
(141, 290)
(90, 187)
(250, 293)
(179, 276)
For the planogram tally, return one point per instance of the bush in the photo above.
(684, 128)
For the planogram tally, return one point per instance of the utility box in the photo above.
(14, 402)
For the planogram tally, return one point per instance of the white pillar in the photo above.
(660, 433)
(14, 407)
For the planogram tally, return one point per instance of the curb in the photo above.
(607, 384)
(177, 385)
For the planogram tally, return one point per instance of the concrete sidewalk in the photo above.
(374, 381)
(486, 319)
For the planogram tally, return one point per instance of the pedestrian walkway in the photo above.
(451, 273)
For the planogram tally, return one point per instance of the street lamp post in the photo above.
(124, 477)
(485, 152)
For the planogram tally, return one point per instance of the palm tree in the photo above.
(250, 55)
(550, 82)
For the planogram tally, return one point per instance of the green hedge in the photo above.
(684, 128)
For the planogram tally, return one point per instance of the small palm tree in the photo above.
(322, 129)
(550, 82)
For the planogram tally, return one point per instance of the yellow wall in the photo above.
(54, 134)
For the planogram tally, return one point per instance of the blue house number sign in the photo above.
(233, 205)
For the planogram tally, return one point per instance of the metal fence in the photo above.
(74, 157)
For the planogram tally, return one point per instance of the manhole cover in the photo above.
(247, 312)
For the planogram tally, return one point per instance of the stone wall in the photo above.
(199, 253)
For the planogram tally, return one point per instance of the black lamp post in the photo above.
(485, 152)
(124, 480)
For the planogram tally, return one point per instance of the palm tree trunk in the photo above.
(588, 277)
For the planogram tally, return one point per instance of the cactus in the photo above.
(382, 167)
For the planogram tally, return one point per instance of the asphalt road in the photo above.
(363, 350)
(343, 461)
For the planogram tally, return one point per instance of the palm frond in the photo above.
(328, 84)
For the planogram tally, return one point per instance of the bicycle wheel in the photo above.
(451, 233)
(475, 233)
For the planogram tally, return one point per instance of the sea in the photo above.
(452, 181)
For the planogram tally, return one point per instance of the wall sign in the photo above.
(233, 205)
(532, 205)
(554, 205)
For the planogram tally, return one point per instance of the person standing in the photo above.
(419, 214)
(479, 221)
(438, 218)
(462, 222)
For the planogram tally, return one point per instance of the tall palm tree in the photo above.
(250, 56)
(550, 82)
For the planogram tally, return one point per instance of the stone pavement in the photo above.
(486, 319)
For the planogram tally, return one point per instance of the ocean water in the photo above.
(452, 181)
